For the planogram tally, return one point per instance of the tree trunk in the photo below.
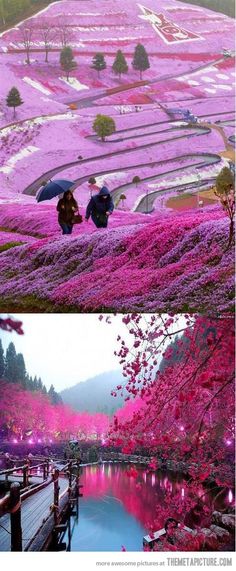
(141, 75)
(231, 234)
(14, 113)
(46, 55)
(28, 57)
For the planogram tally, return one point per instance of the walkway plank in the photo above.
(34, 510)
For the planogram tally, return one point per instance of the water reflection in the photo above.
(116, 509)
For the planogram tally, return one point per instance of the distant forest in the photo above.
(13, 370)
(224, 6)
(12, 10)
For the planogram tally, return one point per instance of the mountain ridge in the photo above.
(94, 394)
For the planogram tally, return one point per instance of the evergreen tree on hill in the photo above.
(14, 99)
(11, 364)
(54, 396)
(140, 61)
(21, 370)
(67, 60)
(120, 64)
(98, 62)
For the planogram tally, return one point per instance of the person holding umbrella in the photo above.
(100, 207)
(66, 207)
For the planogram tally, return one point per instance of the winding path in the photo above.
(87, 100)
(146, 203)
(32, 188)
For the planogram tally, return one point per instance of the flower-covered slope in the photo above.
(176, 263)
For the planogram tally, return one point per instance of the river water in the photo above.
(116, 509)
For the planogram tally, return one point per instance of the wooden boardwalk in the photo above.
(34, 511)
(19, 478)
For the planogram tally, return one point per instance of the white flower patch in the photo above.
(226, 87)
(18, 157)
(82, 14)
(75, 83)
(183, 8)
(36, 85)
(208, 79)
(209, 90)
(37, 121)
(193, 82)
(222, 76)
(4, 49)
(178, 123)
(88, 41)
(46, 99)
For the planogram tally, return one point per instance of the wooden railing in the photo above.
(26, 472)
(11, 503)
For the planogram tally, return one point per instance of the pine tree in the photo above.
(99, 62)
(10, 364)
(40, 384)
(140, 61)
(2, 361)
(67, 60)
(120, 65)
(30, 384)
(21, 370)
(35, 383)
(104, 126)
(54, 396)
(14, 99)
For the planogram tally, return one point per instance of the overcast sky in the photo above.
(66, 349)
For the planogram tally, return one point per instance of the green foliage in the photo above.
(122, 197)
(92, 180)
(9, 245)
(98, 62)
(140, 61)
(67, 60)
(11, 8)
(120, 64)
(54, 396)
(224, 181)
(14, 99)
(10, 372)
(13, 370)
(93, 454)
(136, 180)
(225, 192)
(104, 126)
(20, 370)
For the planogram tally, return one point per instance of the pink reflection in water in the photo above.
(140, 496)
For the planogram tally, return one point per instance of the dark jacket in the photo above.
(66, 213)
(98, 206)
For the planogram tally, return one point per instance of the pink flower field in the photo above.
(150, 258)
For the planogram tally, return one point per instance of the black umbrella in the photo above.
(53, 188)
